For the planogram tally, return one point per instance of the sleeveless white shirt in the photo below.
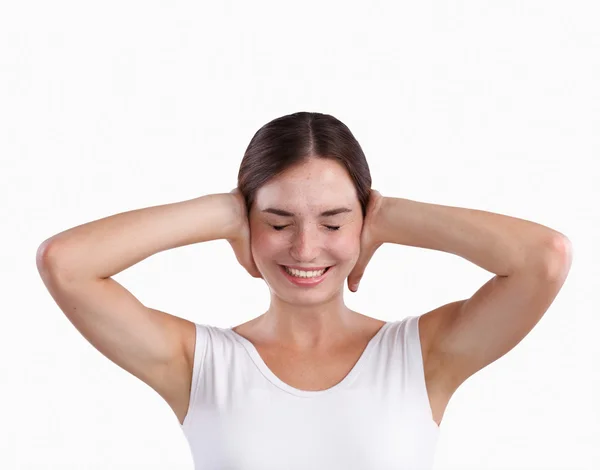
(241, 416)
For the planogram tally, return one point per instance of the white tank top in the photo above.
(241, 416)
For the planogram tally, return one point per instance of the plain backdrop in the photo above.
(112, 106)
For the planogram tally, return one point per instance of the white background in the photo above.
(112, 106)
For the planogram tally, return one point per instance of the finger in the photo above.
(248, 260)
(358, 271)
(254, 272)
(252, 268)
(353, 286)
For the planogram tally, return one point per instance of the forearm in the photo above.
(498, 243)
(107, 246)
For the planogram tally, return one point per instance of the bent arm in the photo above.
(105, 247)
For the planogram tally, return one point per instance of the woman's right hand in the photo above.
(240, 240)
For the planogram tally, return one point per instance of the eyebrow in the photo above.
(328, 213)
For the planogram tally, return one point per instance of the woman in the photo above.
(309, 383)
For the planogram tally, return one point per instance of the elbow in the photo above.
(556, 257)
(46, 257)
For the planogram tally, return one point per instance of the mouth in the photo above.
(305, 281)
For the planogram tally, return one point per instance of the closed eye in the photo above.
(332, 228)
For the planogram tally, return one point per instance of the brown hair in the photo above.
(290, 140)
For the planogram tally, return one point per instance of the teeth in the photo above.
(296, 273)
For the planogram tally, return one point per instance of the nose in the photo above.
(305, 244)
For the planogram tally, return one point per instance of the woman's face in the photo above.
(306, 238)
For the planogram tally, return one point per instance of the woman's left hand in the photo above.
(370, 239)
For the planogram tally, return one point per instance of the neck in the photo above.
(309, 326)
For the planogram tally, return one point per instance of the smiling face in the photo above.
(307, 238)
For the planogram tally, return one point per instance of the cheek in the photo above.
(263, 244)
(345, 248)
(266, 245)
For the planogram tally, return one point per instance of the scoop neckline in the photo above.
(270, 375)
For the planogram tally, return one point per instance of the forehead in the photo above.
(311, 186)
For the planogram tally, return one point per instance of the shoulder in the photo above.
(197, 337)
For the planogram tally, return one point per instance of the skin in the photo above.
(302, 319)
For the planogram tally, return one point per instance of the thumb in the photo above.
(354, 281)
(353, 285)
(250, 264)
(357, 273)
(243, 253)
(359, 268)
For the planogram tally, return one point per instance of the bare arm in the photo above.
(530, 263)
(497, 243)
(76, 265)
(105, 247)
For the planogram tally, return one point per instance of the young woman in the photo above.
(309, 383)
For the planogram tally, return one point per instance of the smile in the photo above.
(305, 278)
